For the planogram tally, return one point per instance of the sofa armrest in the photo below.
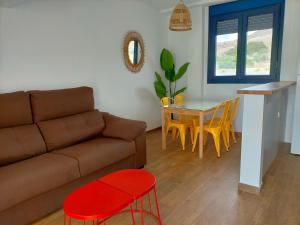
(141, 152)
(117, 127)
(129, 130)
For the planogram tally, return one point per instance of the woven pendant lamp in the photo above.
(180, 18)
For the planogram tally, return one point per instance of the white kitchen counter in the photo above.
(264, 118)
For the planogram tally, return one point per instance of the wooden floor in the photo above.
(204, 192)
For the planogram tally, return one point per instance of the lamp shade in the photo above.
(181, 18)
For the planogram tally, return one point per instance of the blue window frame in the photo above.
(245, 40)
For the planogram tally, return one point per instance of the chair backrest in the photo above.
(234, 106)
(223, 108)
(165, 101)
(179, 99)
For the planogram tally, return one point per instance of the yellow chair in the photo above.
(215, 127)
(179, 125)
(165, 101)
(182, 127)
(180, 100)
(228, 125)
(231, 119)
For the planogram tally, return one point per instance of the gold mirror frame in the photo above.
(133, 36)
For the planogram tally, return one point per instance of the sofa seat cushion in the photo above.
(19, 143)
(29, 178)
(47, 105)
(15, 109)
(66, 131)
(96, 154)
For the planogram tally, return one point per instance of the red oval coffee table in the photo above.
(137, 183)
(110, 195)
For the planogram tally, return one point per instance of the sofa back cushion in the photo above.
(15, 109)
(66, 131)
(19, 143)
(47, 105)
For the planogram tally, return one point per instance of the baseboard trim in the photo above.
(157, 128)
(249, 189)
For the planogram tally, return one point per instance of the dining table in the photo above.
(198, 108)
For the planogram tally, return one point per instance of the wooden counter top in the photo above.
(266, 89)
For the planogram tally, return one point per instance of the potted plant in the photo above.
(168, 66)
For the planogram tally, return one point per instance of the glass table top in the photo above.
(201, 105)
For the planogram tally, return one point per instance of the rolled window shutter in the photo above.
(227, 26)
(260, 22)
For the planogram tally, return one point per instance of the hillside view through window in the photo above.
(258, 53)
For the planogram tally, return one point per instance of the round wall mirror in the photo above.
(134, 52)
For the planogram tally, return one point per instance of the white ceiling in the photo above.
(10, 3)
(165, 5)
(161, 5)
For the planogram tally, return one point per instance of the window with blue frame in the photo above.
(245, 39)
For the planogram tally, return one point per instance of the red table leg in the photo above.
(149, 201)
(157, 208)
(142, 211)
(132, 215)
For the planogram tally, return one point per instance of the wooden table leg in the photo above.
(163, 129)
(201, 131)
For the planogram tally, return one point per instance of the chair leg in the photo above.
(225, 140)
(177, 134)
(232, 131)
(216, 138)
(167, 130)
(196, 132)
(192, 134)
(205, 138)
(228, 135)
(182, 137)
(174, 132)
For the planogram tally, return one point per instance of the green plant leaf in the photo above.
(166, 60)
(160, 89)
(170, 75)
(159, 86)
(182, 70)
(158, 76)
(179, 92)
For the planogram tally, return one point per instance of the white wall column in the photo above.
(252, 141)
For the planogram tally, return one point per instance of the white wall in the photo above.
(290, 57)
(296, 134)
(195, 50)
(50, 44)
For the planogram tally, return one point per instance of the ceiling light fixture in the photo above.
(181, 18)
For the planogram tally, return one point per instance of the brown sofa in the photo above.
(52, 142)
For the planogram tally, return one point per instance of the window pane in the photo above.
(259, 45)
(226, 48)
